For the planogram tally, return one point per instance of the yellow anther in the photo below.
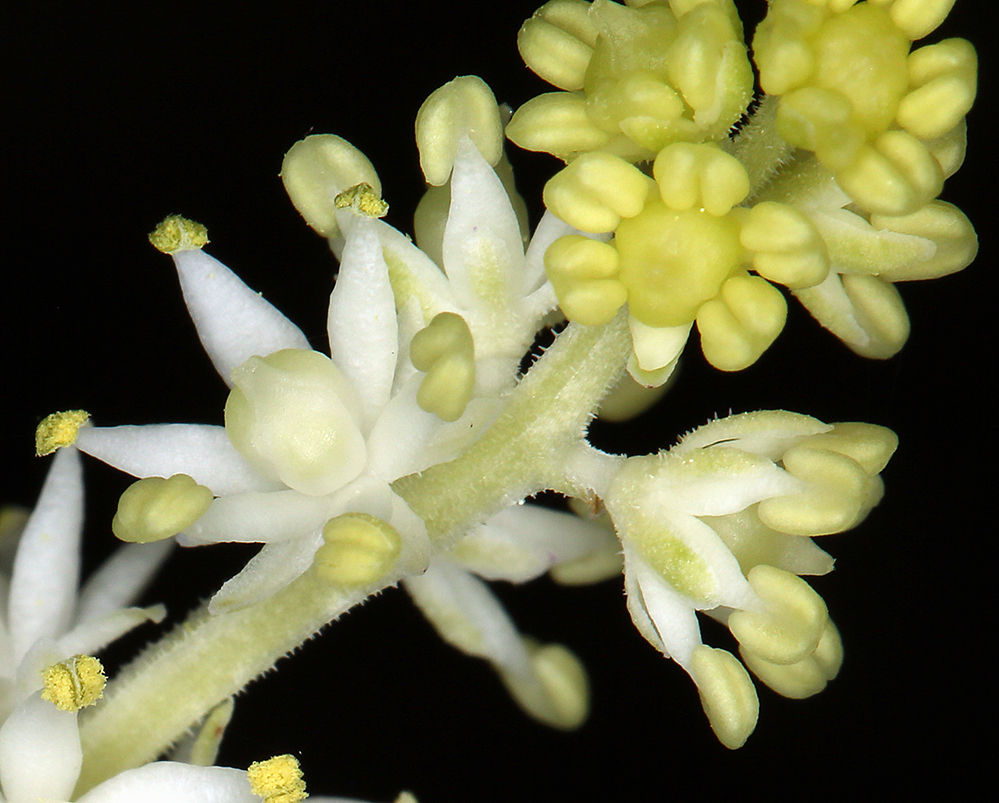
(832, 501)
(583, 272)
(155, 508)
(699, 177)
(565, 699)
(277, 780)
(954, 241)
(359, 549)
(462, 107)
(316, 170)
(557, 42)
(446, 352)
(58, 429)
(175, 233)
(557, 123)
(793, 623)
(805, 677)
(786, 247)
(74, 683)
(796, 681)
(870, 445)
(362, 200)
(944, 80)
(672, 262)
(894, 175)
(289, 415)
(595, 191)
(727, 694)
(741, 322)
(708, 64)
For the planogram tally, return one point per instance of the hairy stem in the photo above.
(171, 686)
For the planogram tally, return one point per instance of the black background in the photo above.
(118, 114)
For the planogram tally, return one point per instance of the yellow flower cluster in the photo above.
(828, 190)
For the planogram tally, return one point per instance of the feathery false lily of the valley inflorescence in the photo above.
(405, 453)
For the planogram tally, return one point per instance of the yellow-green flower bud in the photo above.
(446, 352)
(155, 508)
(290, 416)
(358, 549)
(919, 18)
(316, 170)
(462, 107)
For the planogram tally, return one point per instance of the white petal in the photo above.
(96, 633)
(161, 450)
(482, 248)
(267, 572)
(171, 782)
(121, 579)
(657, 347)
(768, 433)
(40, 754)
(522, 542)
(233, 322)
(363, 332)
(260, 517)
(666, 618)
(415, 276)
(397, 440)
(467, 615)
(47, 565)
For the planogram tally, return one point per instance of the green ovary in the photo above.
(672, 262)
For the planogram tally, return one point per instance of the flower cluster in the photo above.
(827, 189)
(408, 452)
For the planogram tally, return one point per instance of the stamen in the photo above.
(58, 430)
(155, 508)
(74, 683)
(277, 780)
(175, 233)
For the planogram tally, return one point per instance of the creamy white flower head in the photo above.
(308, 437)
(721, 524)
(45, 616)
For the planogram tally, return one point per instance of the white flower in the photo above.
(310, 438)
(720, 523)
(44, 615)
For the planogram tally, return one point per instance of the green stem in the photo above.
(177, 681)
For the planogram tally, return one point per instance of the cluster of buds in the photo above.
(828, 188)
(723, 523)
